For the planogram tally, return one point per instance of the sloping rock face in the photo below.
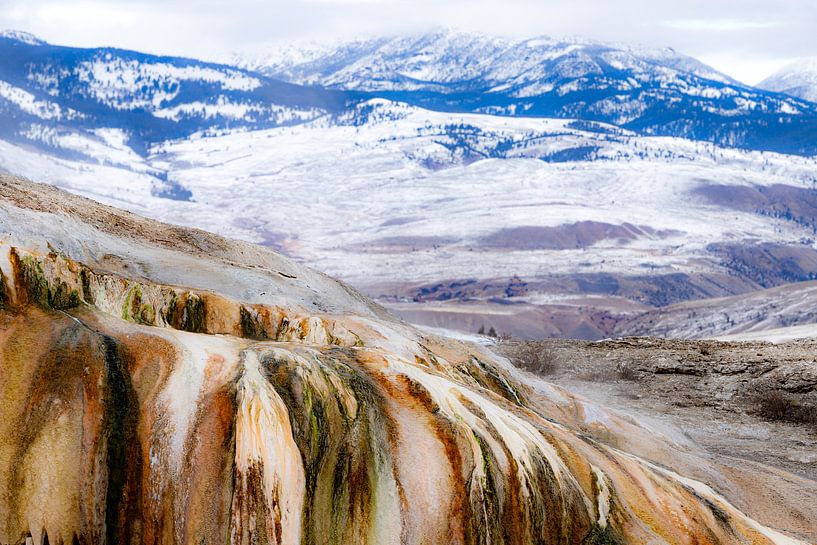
(260, 402)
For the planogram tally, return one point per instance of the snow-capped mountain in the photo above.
(797, 79)
(654, 92)
(21, 36)
(61, 97)
(462, 61)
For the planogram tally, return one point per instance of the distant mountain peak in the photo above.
(797, 79)
(21, 36)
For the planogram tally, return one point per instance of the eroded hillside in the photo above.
(163, 385)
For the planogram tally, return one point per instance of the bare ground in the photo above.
(717, 393)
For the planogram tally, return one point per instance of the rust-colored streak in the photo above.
(254, 520)
(461, 527)
(209, 469)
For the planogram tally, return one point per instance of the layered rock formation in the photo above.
(163, 385)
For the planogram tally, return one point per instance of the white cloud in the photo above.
(719, 25)
(748, 70)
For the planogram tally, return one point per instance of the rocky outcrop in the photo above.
(54, 281)
(249, 406)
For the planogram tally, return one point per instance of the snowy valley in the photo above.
(539, 222)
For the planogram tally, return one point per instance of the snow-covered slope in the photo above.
(420, 196)
(749, 316)
(652, 91)
(797, 79)
(776, 335)
(410, 204)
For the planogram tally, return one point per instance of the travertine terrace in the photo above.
(163, 385)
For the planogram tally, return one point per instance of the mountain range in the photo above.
(650, 91)
(151, 98)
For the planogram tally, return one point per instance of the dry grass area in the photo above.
(534, 357)
(775, 405)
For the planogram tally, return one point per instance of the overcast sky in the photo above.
(746, 39)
